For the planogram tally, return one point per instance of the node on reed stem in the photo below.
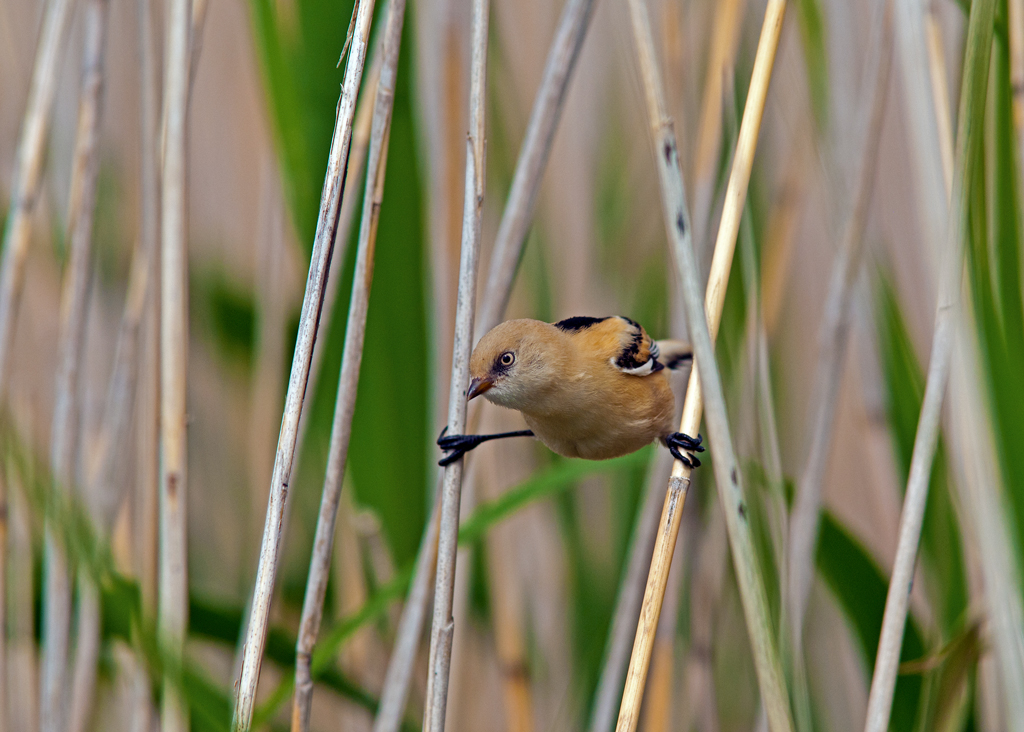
(323, 245)
(348, 380)
(708, 383)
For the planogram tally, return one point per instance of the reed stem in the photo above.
(443, 626)
(348, 381)
(706, 385)
(323, 246)
(972, 98)
(832, 340)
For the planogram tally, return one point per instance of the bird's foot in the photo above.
(678, 441)
(456, 445)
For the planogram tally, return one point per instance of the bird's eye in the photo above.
(507, 359)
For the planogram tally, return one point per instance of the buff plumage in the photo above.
(593, 388)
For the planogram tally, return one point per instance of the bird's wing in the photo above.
(616, 340)
(673, 354)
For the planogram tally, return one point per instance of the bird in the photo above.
(588, 387)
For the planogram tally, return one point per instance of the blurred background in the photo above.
(537, 587)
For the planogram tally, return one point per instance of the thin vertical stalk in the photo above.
(627, 605)
(348, 381)
(981, 480)
(705, 382)
(832, 340)
(395, 692)
(917, 89)
(533, 158)
(721, 57)
(28, 173)
(148, 430)
(518, 212)
(970, 120)
(323, 246)
(172, 612)
(74, 307)
(88, 625)
(25, 187)
(443, 626)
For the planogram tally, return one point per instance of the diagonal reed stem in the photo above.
(25, 188)
(443, 626)
(832, 339)
(627, 604)
(707, 383)
(28, 173)
(348, 381)
(969, 130)
(532, 160)
(74, 308)
(323, 246)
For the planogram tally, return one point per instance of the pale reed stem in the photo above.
(172, 608)
(443, 626)
(323, 245)
(348, 381)
(975, 81)
(533, 158)
(518, 212)
(708, 384)
(832, 340)
(74, 308)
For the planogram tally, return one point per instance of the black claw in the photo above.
(455, 445)
(677, 442)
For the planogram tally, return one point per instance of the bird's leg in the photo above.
(677, 442)
(458, 445)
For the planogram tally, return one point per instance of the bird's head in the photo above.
(514, 363)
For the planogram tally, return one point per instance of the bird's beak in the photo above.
(478, 386)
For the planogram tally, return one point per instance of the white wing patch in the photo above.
(644, 369)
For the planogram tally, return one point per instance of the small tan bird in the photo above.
(592, 388)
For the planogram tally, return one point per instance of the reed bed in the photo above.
(860, 566)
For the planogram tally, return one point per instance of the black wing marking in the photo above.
(630, 358)
(579, 322)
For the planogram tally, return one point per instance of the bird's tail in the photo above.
(674, 354)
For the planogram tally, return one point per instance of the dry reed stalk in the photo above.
(515, 220)
(323, 245)
(974, 86)
(627, 604)
(940, 94)
(705, 596)
(348, 381)
(780, 233)
(104, 495)
(443, 626)
(978, 465)
(533, 158)
(708, 384)
(924, 139)
(24, 692)
(25, 189)
(506, 601)
(832, 339)
(725, 36)
(172, 612)
(28, 172)
(74, 308)
(658, 713)
(148, 401)
(530, 165)
(395, 691)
